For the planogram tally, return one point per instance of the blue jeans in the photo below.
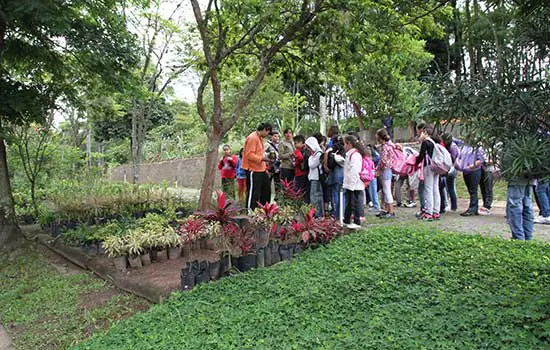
(316, 197)
(451, 191)
(543, 194)
(354, 205)
(421, 197)
(443, 193)
(335, 198)
(519, 211)
(373, 193)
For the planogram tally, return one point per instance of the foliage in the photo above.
(43, 308)
(290, 195)
(390, 287)
(223, 210)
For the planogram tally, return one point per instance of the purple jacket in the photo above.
(467, 157)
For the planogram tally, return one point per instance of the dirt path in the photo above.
(5, 340)
(493, 225)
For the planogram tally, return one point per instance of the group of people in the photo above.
(324, 167)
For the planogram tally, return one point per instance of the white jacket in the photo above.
(314, 160)
(352, 167)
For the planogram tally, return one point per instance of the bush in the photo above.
(386, 288)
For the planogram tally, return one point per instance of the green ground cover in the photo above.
(51, 306)
(389, 287)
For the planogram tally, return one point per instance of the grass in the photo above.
(390, 287)
(44, 309)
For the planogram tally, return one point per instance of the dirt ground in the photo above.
(493, 225)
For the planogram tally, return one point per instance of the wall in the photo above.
(185, 172)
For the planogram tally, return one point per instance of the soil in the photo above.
(493, 225)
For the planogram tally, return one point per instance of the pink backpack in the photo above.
(367, 172)
(398, 160)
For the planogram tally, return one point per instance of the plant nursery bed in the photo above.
(153, 282)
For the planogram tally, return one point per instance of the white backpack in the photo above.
(440, 162)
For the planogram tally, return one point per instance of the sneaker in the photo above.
(382, 212)
(436, 216)
(419, 214)
(371, 205)
(410, 204)
(426, 217)
(353, 226)
(399, 205)
(484, 211)
(469, 213)
(373, 209)
(542, 220)
(387, 216)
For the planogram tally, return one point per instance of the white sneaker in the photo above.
(371, 205)
(353, 226)
(542, 220)
(484, 211)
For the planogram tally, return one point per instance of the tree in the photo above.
(48, 48)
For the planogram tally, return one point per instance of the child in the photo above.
(301, 168)
(431, 179)
(385, 171)
(227, 166)
(353, 186)
(315, 176)
(241, 178)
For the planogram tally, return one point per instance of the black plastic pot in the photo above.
(275, 256)
(285, 252)
(267, 256)
(298, 249)
(203, 274)
(224, 265)
(262, 239)
(246, 262)
(187, 276)
(214, 270)
(260, 258)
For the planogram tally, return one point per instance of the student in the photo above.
(241, 178)
(405, 180)
(469, 161)
(274, 164)
(353, 186)
(450, 178)
(301, 170)
(543, 195)
(486, 184)
(227, 166)
(519, 208)
(314, 175)
(420, 126)
(431, 179)
(385, 171)
(334, 164)
(254, 159)
(286, 155)
(372, 188)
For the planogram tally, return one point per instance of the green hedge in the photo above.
(385, 288)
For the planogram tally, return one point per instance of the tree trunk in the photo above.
(214, 141)
(136, 146)
(359, 114)
(323, 117)
(9, 230)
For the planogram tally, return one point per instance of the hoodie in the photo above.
(314, 160)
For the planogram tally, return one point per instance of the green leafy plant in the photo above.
(116, 246)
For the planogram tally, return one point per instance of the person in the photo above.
(420, 126)
(388, 125)
(301, 170)
(314, 175)
(241, 178)
(274, 164)
(254, 162)
(486, 184)
(519, 208)
(431, 179)
(404, 180)
(450, 178)
(384, 170)
(353, 186)
(372, 188)
(334, 164)
(286, 155)
(469, 161)
(227, 166)
(543, 195)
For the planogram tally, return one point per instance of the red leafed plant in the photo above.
(290, 191)
(191, 229)
(315, 230)
(224, 211)
(269, 210)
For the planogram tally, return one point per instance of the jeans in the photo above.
(421, 196)
(443, 193)
(431, 191)
(373, 193)
(354, 202)
(486, 186)
(316, 197)
(451, 190)
(543, 195)
(335, 199)
(472, 182)
(519, 211)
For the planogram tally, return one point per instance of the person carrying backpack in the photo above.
(372, 188)
(301, 182)
(353, 186)
(334, 164)
(469, 161)
(314, 176)
(384, 169)
(431, 178)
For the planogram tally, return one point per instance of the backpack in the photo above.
(367, 172)
(398, 160)
(374, 155)
(304, 166)
(441, 161)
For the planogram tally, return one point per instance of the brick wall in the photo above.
(186, 172)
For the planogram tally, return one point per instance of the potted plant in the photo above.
(173, 242)
(116, 249)
(134, 241)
